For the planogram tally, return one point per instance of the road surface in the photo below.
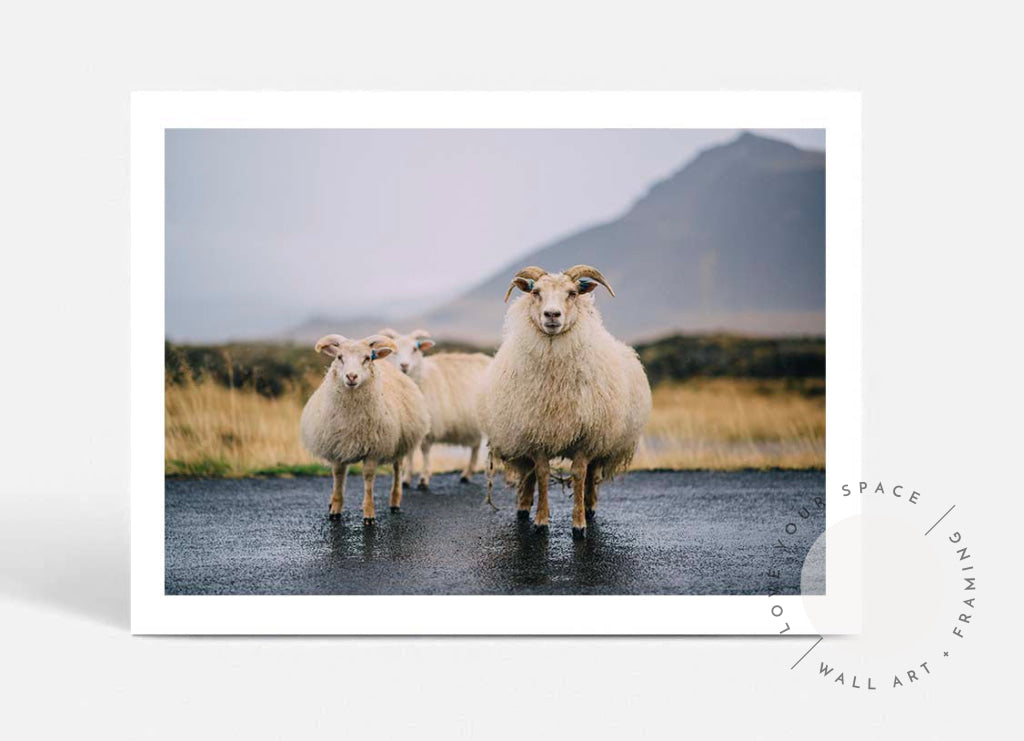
(655, 533)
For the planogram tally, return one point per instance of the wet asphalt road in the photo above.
(655, 533)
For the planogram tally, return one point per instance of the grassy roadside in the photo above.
(703, 423)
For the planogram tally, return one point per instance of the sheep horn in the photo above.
(585, 271)
(531, 273)
(388, 332)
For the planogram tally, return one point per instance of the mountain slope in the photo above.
(733, 241)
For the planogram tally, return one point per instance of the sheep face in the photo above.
(408, 357)
(353, 359)
(554, 300)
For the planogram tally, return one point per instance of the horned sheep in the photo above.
(561, 386)
(449, 382)
(363, 411)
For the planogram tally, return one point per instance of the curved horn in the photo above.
(418, 334)
(585, 271)
(328, 344)
(388, 332)
(530, 274)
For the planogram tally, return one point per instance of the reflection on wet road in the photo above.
(656, 533)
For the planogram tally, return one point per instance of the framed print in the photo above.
(495, 363)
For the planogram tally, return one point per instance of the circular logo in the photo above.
(918, 600)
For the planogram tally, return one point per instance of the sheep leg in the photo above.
(424, 482)
(490, 480)
(407, 471)
(542, 470)
(338, 492)
(511, 476)
(369, 471)
(471, 466)
(579, 477)
(525, 480)
(590, 491)
(396, 487)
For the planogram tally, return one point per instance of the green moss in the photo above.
(300, 469)
(204, 468)
(216, 468)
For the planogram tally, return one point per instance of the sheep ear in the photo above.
(388, 332)
(329, 345)
(523, 284)
(380, 346)
(524, 279)
(422, 337)
(587, 278)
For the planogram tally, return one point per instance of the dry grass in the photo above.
(735, 423)
(216, 431)
(716, 423)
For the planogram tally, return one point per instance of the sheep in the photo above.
(448, 382)
(363, 411)
(561, 386)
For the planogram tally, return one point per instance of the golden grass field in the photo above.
(722, 423)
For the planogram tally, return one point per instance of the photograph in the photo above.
(494, 361)
(366, 357)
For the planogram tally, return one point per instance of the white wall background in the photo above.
(942, 153)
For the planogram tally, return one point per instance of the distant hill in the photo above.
(734, 241)
(316, 327)
(680, 357)
(273, 369)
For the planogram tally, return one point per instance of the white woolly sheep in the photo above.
(449, 383)
(561, 386)
(363, 411)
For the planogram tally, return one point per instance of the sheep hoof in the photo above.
(579, 533)
(334, 516)
(396, 510)
(368, 521)
(405, 484)
(464, 480)
(540, 529)
(591, 514)
(423, 486)
(523, 515)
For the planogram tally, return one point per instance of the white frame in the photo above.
(153, 612)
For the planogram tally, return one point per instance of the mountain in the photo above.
(316, 327)
(734, 241)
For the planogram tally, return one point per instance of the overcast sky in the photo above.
(266, 228)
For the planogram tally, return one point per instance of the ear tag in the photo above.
(373, 354)
(584, 282)
(418, 345)
(529, 282)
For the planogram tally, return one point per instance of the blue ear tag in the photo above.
(373, 354)
(530, 284)
(584, 282)
(418, 345)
